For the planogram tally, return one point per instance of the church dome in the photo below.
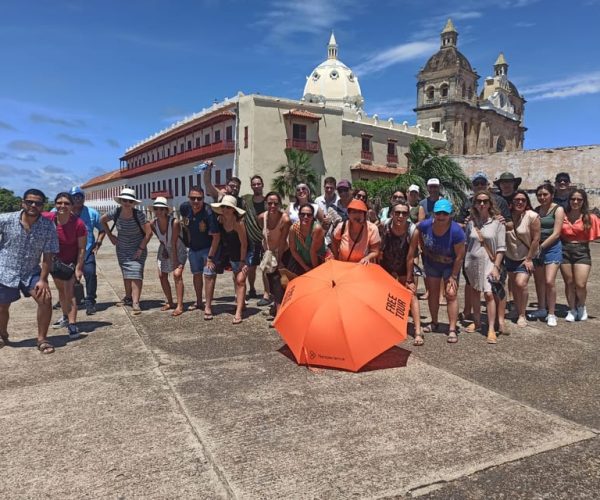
(447, 58)
(333, 83)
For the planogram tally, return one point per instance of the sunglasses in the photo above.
(442, 213)
(482, 202)
(397, 197)
(480, 183)
(231, 186)
(361, 197)
(160, 208)
(301, 190)
(402, 213)
(305, 215)
(196, 198)
(576, 199)
(519, 200)
(32, 203)
(272, 203)
(343, 190)
(559, 181)
(126, 201)
(59, 203)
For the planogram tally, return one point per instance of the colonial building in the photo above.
(249, 134)
(448, 99)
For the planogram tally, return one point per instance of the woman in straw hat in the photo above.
(234, 245)
(172, 253)
(134, 233)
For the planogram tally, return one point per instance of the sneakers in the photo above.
(251, 294)
(581, 313)
(571, 315)
(551, 320)
(73, 332)
(90, 309)
(56, 306)
(60, 322)
(538, 314)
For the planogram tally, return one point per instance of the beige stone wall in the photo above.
(537, 165)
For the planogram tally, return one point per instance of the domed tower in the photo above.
(332, 82)
(447, 93)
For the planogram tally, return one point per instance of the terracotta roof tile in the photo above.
(109, 176)
(300, 113)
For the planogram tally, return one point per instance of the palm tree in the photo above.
(424, 163)
(297, 170)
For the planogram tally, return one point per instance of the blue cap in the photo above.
(479, 175)
(76, 190)
(442, 205)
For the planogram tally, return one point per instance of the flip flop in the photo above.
(208, 316)
(166, 307)
(177, 312)
(193, 307)
(236, 321)
(452, 339)
(45, 347)
(418, 340)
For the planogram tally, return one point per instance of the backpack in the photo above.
(135, 216)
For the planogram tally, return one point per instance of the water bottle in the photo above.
(200, 168)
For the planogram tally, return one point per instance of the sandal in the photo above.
(166, 307)
(3, 340)
(194, 306)
(452, 337)
(125, 301)
(177, 312)
(208, 316)
(45, 347)
(418, 340)
(431, 327)
(236, 321)
(491, 338)
(135, 309)
(472, 327)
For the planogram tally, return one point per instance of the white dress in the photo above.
(165, 260)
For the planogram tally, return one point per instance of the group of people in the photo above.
(491, 237)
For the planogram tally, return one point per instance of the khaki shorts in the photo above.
(576, 253)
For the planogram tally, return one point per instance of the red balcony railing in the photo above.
(392, 159)
(200, 153)
(366, 155)
(310, 146)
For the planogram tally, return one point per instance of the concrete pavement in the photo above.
(158, 407)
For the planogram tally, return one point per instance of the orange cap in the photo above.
(358, 205)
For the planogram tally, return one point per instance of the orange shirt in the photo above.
(368, 239)
(576, 232)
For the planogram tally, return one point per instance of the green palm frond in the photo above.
(297, 170)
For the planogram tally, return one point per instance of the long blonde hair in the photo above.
(493, 211)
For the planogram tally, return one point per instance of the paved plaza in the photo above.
(152, 406)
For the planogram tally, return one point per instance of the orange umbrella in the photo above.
(343, 314)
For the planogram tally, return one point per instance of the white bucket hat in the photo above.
(160, 202)
(227, 201)
(126, 194)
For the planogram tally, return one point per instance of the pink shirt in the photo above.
(68, 234)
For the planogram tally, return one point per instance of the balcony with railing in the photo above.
(191, 155)
(302, 145)
(392, 159)
(366, 156)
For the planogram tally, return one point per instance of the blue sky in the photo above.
(83, 80)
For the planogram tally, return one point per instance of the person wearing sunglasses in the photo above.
(307, 242)
(433, 195)
(562, 189)
(486, 245)
(397, 196)
(522, 245)
(134, 233)
(578, 229)
(25, 239)
(395, 242)
(201, 230)
(232, 186)
(72, 241)
(303, 198)
(356, 239)
(443, 244)
(171, 255)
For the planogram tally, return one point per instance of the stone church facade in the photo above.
(448, 100)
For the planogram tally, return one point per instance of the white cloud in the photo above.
(74, 140)
(392, 108)
(395, 55)
(285, 19)
(588, 83)
(36, 147)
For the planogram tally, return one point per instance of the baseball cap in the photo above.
(413, 187)
(479, 175)
(433, 182)
(358, 205)
(563, 176)
(75, 190)
(442, 205)
(344, 184)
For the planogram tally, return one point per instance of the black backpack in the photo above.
(135, 216)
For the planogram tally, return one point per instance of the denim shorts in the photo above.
(438, 272)
(198, 260)
(9, 295)
(255, 253)
(515, 266)
(551, 255)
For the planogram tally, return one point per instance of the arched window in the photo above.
(464, 91)
(444, 91)
(501, 144)
(465, 134)
(429, 93)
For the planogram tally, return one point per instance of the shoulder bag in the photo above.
(268, 263)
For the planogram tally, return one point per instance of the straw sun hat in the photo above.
(227, 201)
(126, 194)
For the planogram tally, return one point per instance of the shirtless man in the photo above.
(275, 238)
